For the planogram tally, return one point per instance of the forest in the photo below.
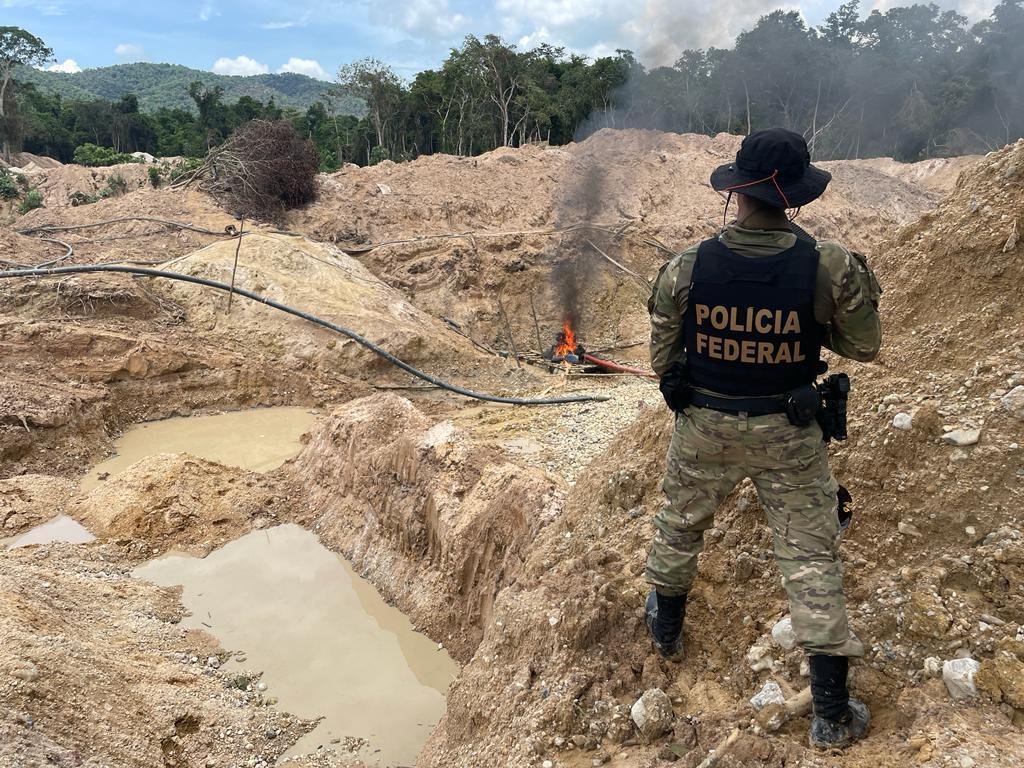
(909, 82)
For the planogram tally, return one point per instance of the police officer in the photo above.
(737, 326)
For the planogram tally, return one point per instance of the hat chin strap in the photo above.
(773, 179)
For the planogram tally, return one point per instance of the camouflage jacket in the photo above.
(845, 302)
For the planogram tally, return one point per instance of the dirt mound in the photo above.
(976, 239)
(29, 500)
(175, 501)
(96, 672)
(659, 179)
(647, 191)
(938, 175)
(60, 184)
(132, 239)
(27, 160)
(17, 250)
(322, 280)
(458, 518)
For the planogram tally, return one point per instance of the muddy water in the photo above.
(259, 440)
(326, 641)
(61, 528)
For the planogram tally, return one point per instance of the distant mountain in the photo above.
(166, 85)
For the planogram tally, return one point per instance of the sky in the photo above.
(316, 37)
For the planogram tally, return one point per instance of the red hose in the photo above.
(618, 368)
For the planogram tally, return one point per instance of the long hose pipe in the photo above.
(130, 270)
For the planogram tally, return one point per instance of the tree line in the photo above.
(910, 82)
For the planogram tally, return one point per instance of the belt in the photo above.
(752, 406)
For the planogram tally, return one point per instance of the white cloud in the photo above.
(309, 67)
(425, 19)
(129, 51)
(240, 65)
(207, 11)
(68, 65)
(281, 24)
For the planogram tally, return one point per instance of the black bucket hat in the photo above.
(774, 166)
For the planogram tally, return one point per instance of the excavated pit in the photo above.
(327, 643)
(258, 439)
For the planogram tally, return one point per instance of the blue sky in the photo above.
(317, 36)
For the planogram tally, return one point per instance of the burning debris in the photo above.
(568, 351)
(566, 348)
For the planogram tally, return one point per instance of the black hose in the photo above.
(85, 268)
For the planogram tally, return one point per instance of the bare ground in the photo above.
(515, 537)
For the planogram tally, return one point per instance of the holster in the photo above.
(802, 405)
(675, 387)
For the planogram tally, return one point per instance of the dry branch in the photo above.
(263, 169)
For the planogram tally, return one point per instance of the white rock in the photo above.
(908, 529)
(769, 694)
(547, 764)
(783, 635)
(759, 658)
(1013, 401)
(903, 421)
(933, 666)
(958, 675)
(384, 189)
(652, 713)
(213, 661)
(805, 668)
(962, 437)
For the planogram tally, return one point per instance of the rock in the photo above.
(908, 530)
(759, 658)
(25, 671)
(653, 676)
(933, 666)
(1013, 401)
(903, 421)
(926, 616)
(652, 714)
(771, 693)
(962, 437)
(1002, 676)
(783, 635)
(958, 675)
(547, 764)
(213, 661)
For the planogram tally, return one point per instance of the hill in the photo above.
(166, 85)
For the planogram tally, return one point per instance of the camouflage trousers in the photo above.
(710, 453)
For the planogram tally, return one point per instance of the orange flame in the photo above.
(566, 340)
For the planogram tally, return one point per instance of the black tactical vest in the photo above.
(750, 325)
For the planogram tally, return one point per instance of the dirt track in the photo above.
(514, 536)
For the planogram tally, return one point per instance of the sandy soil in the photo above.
(515, 537)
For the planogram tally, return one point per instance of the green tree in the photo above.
(17, 48)
(380, 88)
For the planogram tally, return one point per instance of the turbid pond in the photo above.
(327, 643)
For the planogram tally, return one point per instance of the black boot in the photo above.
(839, 721)
(665, 622)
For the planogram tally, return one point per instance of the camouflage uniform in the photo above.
(712, 451)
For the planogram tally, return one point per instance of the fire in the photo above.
(566, 341)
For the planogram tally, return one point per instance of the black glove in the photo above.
(675, 387)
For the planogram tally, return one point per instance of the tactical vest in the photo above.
(750, 325)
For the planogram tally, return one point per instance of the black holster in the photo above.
(802, 405)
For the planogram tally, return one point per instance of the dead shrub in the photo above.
(262, 170)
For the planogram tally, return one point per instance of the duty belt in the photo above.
(752, 406)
